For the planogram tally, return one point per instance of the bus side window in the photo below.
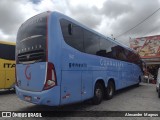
(72, 34)
(101, 53)
(105, 48)
(91, 42)
(9, 51)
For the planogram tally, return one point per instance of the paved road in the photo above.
(142, 98)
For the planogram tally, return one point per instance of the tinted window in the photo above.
(7, 52)
(133, 57)
(72, 34)
(91, 42)
(119, 53)
(105, 48)
(31, 39)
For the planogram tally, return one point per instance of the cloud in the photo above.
(10, 15)
(140, 11)
(105, 16)
(121, 16)
(14, 12)
(114, 9)
(85, 15)
(35, 1)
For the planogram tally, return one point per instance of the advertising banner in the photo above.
(147, 47)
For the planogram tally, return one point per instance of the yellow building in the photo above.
(7, 65)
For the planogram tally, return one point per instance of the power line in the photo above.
(138, 23)
(149, 32)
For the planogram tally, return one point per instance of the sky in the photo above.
(108, 17)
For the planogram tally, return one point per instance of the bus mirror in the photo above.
(70, 29)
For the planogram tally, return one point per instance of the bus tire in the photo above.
(138, 84)
(159, 93)
(98, 94)
(109, 90)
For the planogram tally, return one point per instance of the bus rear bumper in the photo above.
(49, 97)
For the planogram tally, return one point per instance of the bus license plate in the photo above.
(27, 98)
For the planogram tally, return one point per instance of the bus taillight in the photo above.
(51, 77)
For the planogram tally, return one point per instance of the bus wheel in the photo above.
(159, 91)
(137, 85)
(110, 90)
(98, 94)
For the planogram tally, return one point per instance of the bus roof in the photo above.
(8, 43)
(60, 16)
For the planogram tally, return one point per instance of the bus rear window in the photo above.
(31, 39)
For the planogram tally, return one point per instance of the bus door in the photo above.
(2, 79)
(87, 85)
(70, 86)
(129, 74)
(135, 75)
(125, 74)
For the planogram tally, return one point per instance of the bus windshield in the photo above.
(31, 40)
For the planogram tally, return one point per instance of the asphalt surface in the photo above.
(142, 98)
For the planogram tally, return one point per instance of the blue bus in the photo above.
(60, 61)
